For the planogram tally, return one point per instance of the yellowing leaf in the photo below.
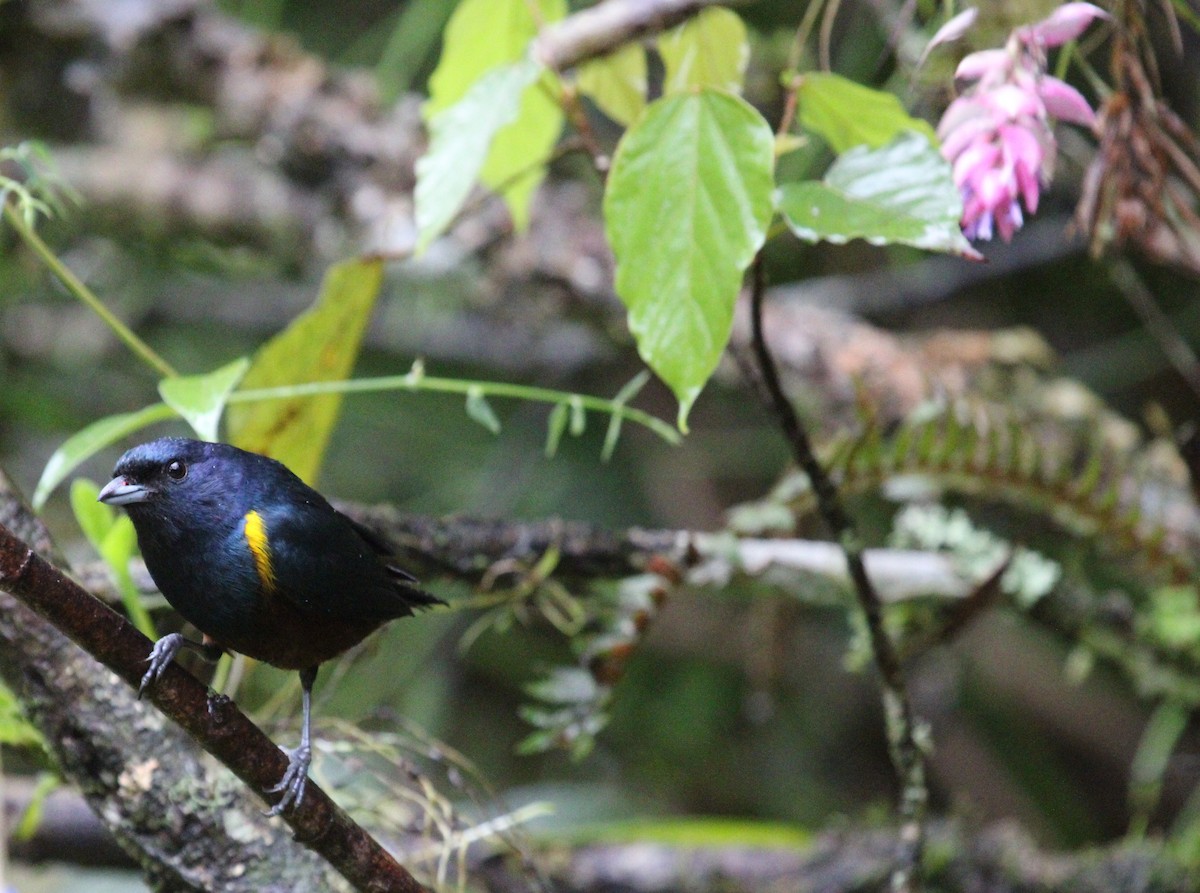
(617, 83)
(320, 345)
(709, 50)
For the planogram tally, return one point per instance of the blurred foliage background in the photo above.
(739, 703)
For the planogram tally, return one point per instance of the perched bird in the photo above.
(259, 562)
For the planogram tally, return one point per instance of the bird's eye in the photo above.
(176, 471)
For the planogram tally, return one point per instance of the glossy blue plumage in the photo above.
(331, 587)
(259, 562)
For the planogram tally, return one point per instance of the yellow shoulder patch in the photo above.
(260, 548)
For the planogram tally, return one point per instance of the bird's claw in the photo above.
(160, 658)
(294, 780)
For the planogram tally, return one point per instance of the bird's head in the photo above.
(155, 472)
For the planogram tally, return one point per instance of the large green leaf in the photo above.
(84, 444)
(687, 206)
(902, 193)
(617, 83)
(320, 345)
(846, 114)
(708, 50)
(480, 36)
(200, 399)
(461, 137)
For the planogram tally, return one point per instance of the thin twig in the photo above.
(907, 755)
(75, 286)
(825, 37)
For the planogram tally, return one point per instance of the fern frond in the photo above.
(1033, 464)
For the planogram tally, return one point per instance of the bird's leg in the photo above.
(296, 776)
(164, 652)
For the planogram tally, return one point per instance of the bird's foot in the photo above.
(294, 780)
(160, 658)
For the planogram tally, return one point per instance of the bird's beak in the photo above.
(120, 491)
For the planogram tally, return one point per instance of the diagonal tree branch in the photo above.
(218, 726)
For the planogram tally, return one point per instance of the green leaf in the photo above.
(611, 435)
(320, 344)
(578, 417)
(616, 83)
(708, 50)
(847, 114)
(15, 729)
(31, 819)
(516, 164)
(479, 410)
(481, 36)
(119, 543)
(565, 685)
(95, 519)
(461, 138)
(112, 535)
(627, 393)
(537, 742)
(687, 207)
(200, 399)
(555, 426)
(900, 194)
(84, 444)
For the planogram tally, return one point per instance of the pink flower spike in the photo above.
(1027, 181)
(976, 65)
(967, 107)
(978, 223)
(1021, 147)
(1014, 102)
(1065, 23)
(966, 133)
(971, 164)
(1065, 103)
(954, 28)
(1009, 220)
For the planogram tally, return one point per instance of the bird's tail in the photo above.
(413, 597)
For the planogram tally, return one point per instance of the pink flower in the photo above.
(1065, 23)
(997, 135)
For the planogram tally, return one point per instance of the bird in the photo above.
(260, 563)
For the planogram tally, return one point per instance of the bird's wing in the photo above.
(323, 565)
(381, 547)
